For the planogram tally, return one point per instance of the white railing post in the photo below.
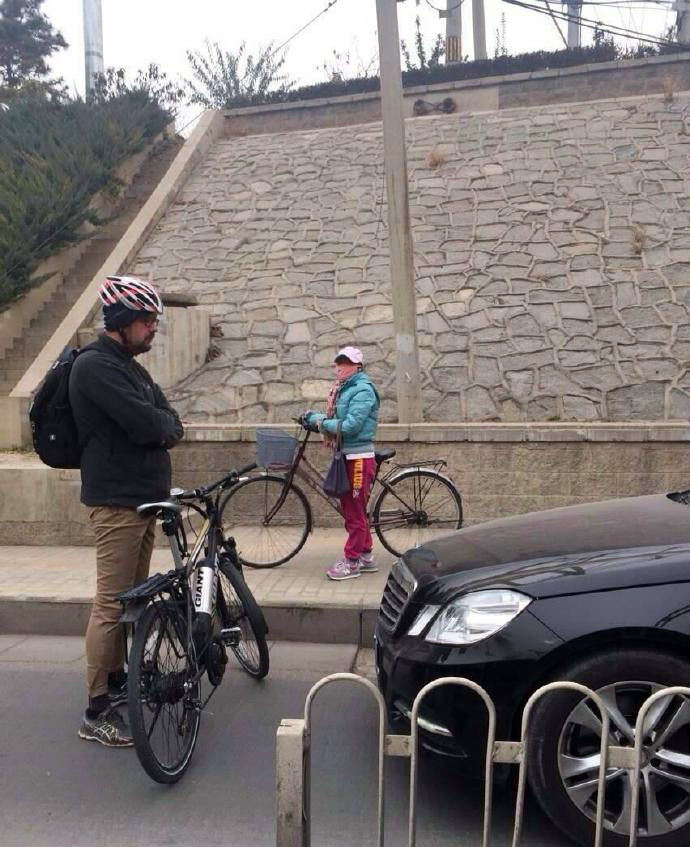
(489, 759)
(678, 690)
(306, 770)
(292, 828)
(603, 754)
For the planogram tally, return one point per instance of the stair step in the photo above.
(12, 377)
(55, 307)
(46, 325)
(23, 353)
(14, 355)
(34, 336)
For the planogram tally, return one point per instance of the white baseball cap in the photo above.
(354, 354)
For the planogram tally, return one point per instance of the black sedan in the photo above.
(598, 594)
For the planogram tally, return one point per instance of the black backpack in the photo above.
(53, 428)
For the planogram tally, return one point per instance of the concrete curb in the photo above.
(333, 624)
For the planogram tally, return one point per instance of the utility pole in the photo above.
(479, 29)
(93, 41)
(574, 27)
(399, 230)
(453, 16)
(682, 8)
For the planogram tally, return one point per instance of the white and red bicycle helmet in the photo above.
(123, 297)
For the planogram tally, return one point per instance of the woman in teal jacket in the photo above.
(353, 402)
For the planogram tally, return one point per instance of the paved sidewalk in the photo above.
(49, 590)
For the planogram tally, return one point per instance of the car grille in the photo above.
(399, 588)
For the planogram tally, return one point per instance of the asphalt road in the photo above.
(59, 791)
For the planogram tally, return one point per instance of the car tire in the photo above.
(625, 677)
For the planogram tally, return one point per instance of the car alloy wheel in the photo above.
(665, 775)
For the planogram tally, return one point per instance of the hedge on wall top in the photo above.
(501, 65)
(55, 155)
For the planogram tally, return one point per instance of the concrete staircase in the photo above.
(19, 357)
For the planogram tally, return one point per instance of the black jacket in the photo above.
(126, 425)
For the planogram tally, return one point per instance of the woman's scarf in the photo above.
(337, 384)
(333, 396)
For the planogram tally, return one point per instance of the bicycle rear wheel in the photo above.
(264, 539)
(418, 506)
(163, 694)
(238, 607)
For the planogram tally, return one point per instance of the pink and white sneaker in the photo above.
(367, 563)
(343, 569)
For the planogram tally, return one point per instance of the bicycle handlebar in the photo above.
(204, 490)
(300, 420)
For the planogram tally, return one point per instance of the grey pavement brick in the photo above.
(8, 641)
(53, 649)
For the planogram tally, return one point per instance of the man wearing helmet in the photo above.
(126, 427)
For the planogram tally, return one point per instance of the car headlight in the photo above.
(471, 618)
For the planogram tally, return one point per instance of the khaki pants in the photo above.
(124, 543)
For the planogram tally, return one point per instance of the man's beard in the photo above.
(143, 346)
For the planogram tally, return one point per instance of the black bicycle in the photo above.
(183, 622)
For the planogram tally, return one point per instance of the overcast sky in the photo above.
(138, 32)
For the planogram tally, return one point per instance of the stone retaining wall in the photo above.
(552, 250)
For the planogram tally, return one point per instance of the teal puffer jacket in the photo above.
(357, 407)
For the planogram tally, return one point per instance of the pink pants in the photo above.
(354, 505)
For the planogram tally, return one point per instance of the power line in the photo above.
(627, 4)
(330, 5)
(195, 118)
(436, 9)
(628, 8)
(555, 23)
(666, 3)
(590, 23)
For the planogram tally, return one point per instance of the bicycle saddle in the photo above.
(384, 455)
(147, 510)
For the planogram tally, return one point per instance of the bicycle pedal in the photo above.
(231, 636)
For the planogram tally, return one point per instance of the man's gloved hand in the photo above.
(311, 420)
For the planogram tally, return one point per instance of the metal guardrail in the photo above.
(293, 759)
(637, 750)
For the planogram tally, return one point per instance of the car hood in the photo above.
(592, 547)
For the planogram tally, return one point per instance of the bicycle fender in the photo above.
(133, 610)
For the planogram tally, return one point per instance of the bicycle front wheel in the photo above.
(270, 521)
(414, 507)
(163, 693)
(238, 608)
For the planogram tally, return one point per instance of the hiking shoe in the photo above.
(367, 563)
(343, 569)
(107, 728)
